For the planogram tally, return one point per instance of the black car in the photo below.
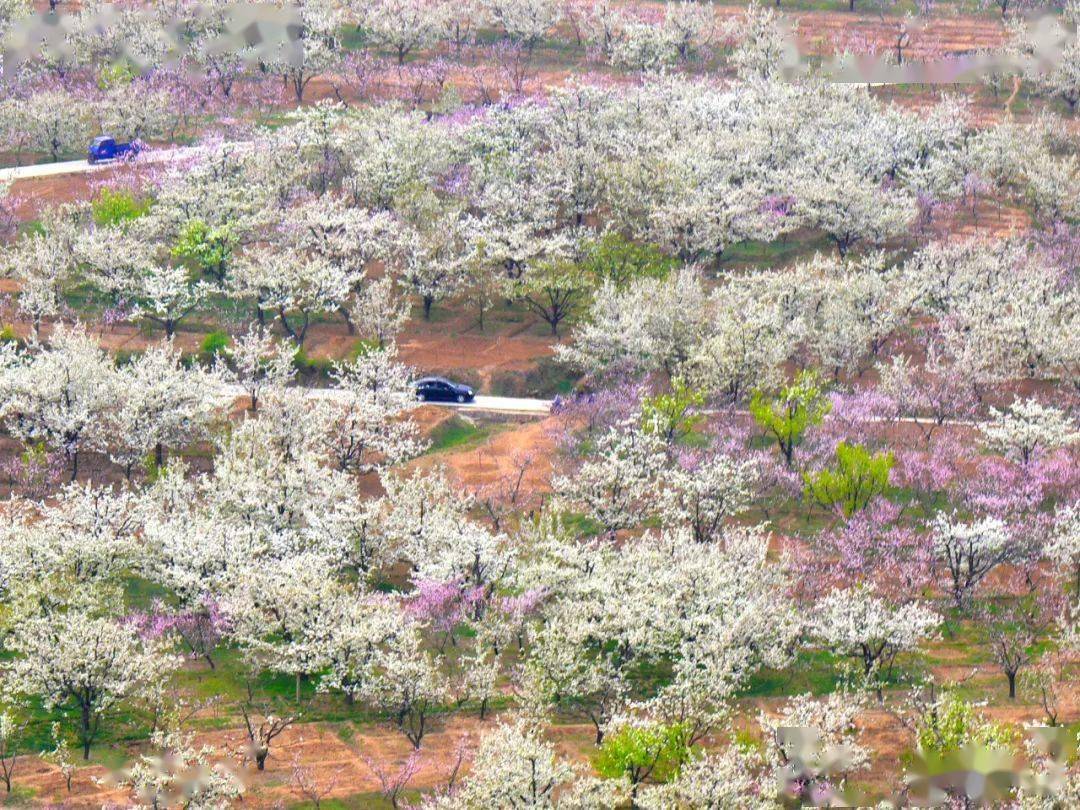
(440, 389)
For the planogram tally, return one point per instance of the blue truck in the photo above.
(105, 148)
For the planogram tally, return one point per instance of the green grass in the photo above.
(814, 671)
(362, 801)
(581, 525)
(547, 378)
(755, 254)
(141, 593)
(458, 433)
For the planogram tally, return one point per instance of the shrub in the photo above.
(651, 753)
(854, 482)
(117, 207)
(788, 415)
(952, 723)
(674, 415)
(619, 260)
(214, 344)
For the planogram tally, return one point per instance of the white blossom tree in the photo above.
(44, 265)
(53, 121)
(404, 26)
(178, 772)
(407, 684)
(369, 428)
(524, 21)
(59, 394)
(277, 611)
(259, 362)
(165, 294)
(379, 312)
(90, 664)
(1063, 547)
(297, 288)
(1027, 426)
(86, 534)
(702, 495)
(613, 484)
(164, 405)
(359, 629)
(514, 767)
(316, 50)
(857, 622)
(650, 325)
(970, 551)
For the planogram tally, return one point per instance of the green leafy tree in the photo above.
(214, 344)
(673, 415)
(206, 249)
(854, 482)
(790, 413)
(554, 290)
(116, 74)
(113, 208)
(951, 723)
(649, 753)
(619, 260)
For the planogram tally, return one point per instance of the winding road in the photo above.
(162, 155)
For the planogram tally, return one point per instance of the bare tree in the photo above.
(508, 493)
(307, 782)
(392, 783)
(1013, 630)
(262, 727)
(11, 734)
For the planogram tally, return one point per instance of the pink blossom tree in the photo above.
(200, 629)
(443, 605)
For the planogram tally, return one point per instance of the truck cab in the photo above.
(105, 147)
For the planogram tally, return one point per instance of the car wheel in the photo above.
(460, 397)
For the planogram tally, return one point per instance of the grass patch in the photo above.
(784, 251)
(548, 378)
(814, 671)
(581, 525)
(362, 801)
(457, 432)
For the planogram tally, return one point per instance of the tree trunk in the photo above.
(428, 301)
(159, 455)
(85, 726)
(1012, 684)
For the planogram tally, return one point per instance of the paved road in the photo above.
(82, 167)
(506, 405)
(48, 170)
(542, 407)
(482, 404)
